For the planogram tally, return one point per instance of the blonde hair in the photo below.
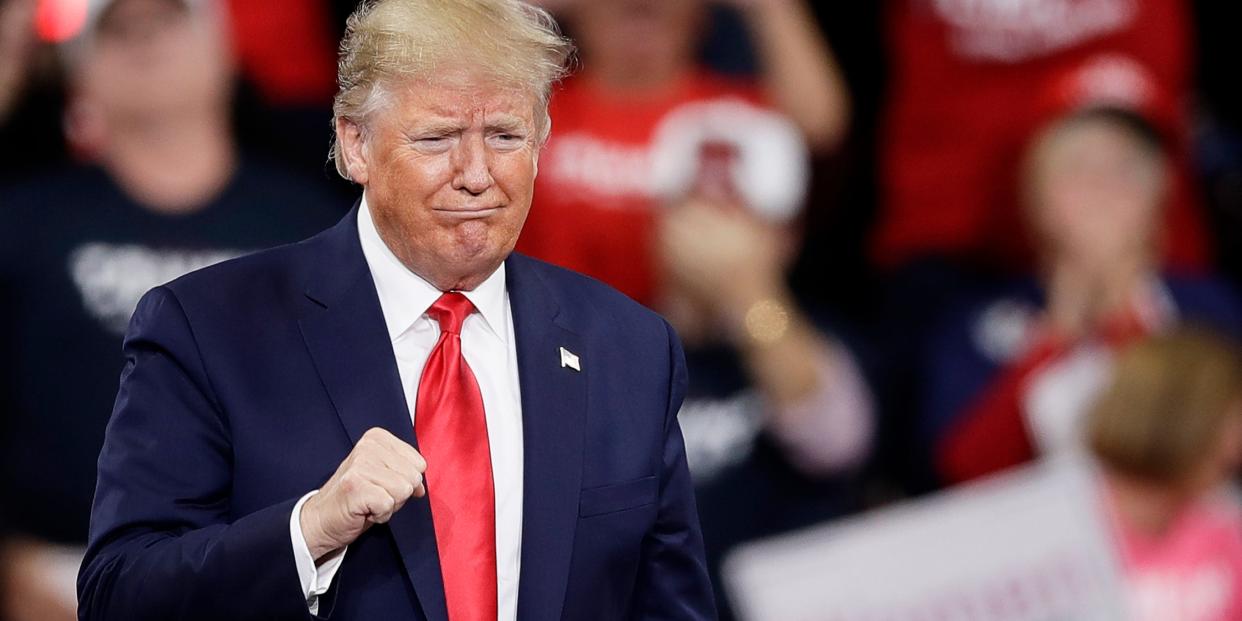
(1170, 398)
(387, 41)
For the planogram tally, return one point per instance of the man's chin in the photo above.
(470, 270)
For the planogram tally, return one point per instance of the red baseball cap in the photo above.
(1111, 81)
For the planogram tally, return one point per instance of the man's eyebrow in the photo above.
(506, 122)
(435, 126)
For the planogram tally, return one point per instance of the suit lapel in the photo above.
(347, 338)
(553, 423)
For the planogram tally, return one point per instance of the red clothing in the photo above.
(970, 86)
(1192, 572)
(992, 435)
(594, 208)
(286, 48)
(995, 432)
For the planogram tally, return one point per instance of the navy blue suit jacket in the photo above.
(247, 383)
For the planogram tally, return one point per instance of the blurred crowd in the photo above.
(907, 244)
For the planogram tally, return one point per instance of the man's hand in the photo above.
(372, 484)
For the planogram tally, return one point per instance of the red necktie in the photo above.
(452, 436)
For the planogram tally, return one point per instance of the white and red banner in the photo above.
(1032, 545)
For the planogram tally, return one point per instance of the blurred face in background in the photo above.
(1094, 189)
(155, 57)
(17, 45)
(645, 36)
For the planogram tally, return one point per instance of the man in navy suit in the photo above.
(399, 418)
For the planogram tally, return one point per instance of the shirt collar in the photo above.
(405, 296)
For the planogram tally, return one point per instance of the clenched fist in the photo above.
(372, 484)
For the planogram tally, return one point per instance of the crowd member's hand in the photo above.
(724, 267)
(1069, 311)
(798, 68)
(1081, 299)
(722, 257)
(17, 41)
(1093, 276)
(29, 585)
(373, 483)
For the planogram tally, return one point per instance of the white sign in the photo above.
(1033, 545)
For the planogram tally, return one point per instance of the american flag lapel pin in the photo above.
(570, 359)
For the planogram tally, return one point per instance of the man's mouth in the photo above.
(469, 213)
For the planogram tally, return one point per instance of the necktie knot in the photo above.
(450, 311)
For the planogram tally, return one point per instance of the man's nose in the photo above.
(473, 169)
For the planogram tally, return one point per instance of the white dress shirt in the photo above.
(488, 345)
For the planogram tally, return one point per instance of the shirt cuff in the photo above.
(315, 579)
(831, 429)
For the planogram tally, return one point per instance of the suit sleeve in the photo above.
(672, 578)
(163, 543)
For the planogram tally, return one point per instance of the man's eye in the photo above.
(432, 143)
(509, 139)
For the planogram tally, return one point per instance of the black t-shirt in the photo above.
(76, 254)
(31, 133)
(745, 485)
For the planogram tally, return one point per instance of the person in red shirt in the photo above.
(961, 110)
(596, 198)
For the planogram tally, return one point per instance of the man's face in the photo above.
(152, 57)
(449, 172)
(641, 32)
(1096, 190)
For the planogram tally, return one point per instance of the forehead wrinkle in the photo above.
(448, 95)
(432, 109)
(470, 82)
(493, 120)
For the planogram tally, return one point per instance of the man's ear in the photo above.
(349, 137)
